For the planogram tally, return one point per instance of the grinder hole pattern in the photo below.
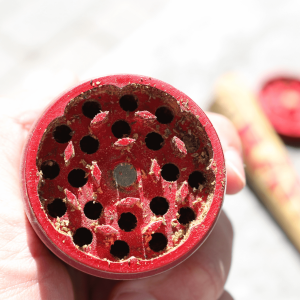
(125, 172)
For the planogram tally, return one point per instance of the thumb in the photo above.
(232, 148)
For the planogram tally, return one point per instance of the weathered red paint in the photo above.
(189, 142)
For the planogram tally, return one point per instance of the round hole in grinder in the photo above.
(158, 242)
(119, 249)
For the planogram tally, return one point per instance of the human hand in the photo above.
(30, 271)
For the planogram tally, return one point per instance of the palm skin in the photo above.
(28, 270)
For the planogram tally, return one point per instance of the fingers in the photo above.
(202, 276)
(39, 88)
(232, 148)
(35, 85)
(27, 119)
(39, 273)
(11, 140)
(225, 296)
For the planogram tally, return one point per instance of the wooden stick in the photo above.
(269, 170)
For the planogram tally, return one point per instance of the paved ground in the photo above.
(188, 44)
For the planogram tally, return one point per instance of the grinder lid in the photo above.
(280, 100)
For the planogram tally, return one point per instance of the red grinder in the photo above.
(123, 177)
(280, 100)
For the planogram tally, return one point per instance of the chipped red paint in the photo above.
(100, 119)
(71, 198)
(124, 142)
(183, 191)
(145, 115)
(189, 143)
(179, 146)
(69, 153)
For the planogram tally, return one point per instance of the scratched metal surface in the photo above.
(187, 45)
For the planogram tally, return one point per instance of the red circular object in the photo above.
(123, 177)
(280, 100)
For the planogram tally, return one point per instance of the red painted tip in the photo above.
(280, 100)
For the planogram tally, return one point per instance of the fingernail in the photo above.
(235, 162)
(134, 296)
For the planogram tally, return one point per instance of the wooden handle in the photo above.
(268, 168)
